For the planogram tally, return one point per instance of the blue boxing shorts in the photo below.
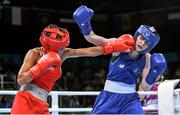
(117, 98)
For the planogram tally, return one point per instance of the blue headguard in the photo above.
(147, 33)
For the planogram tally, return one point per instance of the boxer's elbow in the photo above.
(90, 39)
(93, 38)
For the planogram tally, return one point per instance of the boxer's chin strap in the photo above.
(134, 54)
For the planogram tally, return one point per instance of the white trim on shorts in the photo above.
(119, 87)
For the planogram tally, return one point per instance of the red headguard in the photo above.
(54, 38)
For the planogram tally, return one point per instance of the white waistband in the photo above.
(35, 91)
(119, 87)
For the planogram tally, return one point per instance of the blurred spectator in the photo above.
(5, 102)
(74, 101)
(167, 73)
(177, 73)
(3, 66)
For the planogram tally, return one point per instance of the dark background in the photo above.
(112, 18)
(22, 21)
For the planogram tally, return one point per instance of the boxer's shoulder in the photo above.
(35, 53)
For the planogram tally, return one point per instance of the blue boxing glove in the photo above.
(82, 17)
(158, 66)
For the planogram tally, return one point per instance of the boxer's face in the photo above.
(141, 44)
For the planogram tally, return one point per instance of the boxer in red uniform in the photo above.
(42, 67)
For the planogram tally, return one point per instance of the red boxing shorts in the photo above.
(26, 103)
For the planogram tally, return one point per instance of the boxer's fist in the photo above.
(46, 61)
(82, 17)
(123, 44)
(158, 65)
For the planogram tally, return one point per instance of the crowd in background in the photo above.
(83, 74)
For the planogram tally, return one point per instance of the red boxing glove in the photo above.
(50, 59)
(124, 43)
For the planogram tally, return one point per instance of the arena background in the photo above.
(22, 21)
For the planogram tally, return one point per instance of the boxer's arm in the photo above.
(158, 67)
(96, 39)
(82, 16)
(155, 66)
(143, 85)
(122, 44)
(29, 61)
(82, 52)
(46, 61)
(141, 89)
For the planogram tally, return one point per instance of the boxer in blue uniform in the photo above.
(119, 95)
